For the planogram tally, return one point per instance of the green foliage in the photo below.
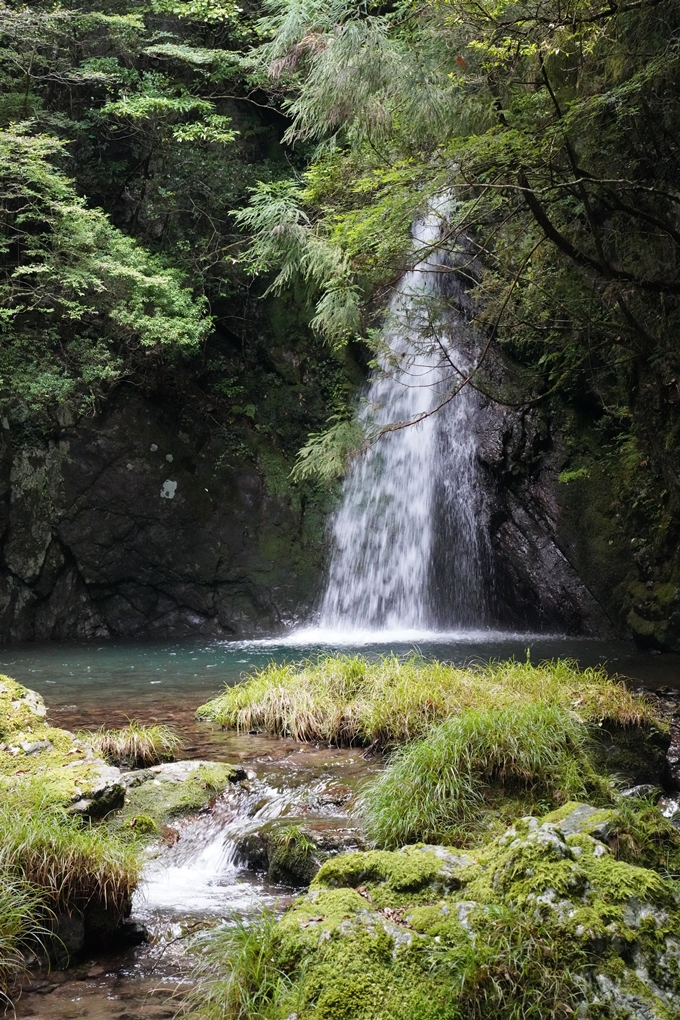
(237, 977)
(441, 789)
(348, 700)
(132, 132)
(551, 126)
(326, 455)
(134, 745)
(565, 477)
(282, 237)
(52, 861)
(83, 304)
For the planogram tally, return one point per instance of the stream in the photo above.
(200, 879)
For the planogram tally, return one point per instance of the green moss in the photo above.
(408, 871)
(527, 922)
(560, 813)
(144, 825)
(30, 748)
(161, 799)
(634, 830)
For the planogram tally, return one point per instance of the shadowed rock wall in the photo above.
(134, 524)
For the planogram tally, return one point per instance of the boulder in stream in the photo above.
(291, 850)
(157, 795)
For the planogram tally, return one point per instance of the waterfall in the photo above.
(409, 542)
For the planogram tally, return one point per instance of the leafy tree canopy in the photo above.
(552, 124)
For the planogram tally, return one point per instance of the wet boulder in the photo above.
(291, 850)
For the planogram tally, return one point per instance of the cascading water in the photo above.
(410, 539)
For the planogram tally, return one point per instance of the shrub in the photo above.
(348, 700)
(440, 789)
(134, 745)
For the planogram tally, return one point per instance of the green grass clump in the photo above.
(236, 977)
(22, 917)
(442, 788)
(347, 700)
(292, 855)
(134, 745)
(73, 864)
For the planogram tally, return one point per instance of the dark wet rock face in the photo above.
(135, 524)
(535, 580)
(142, 522)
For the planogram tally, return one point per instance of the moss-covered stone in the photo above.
(291, 849)
(165, 792)
(535, 915)
(67, 768)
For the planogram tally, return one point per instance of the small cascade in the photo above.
(409, 543)
(204, 872)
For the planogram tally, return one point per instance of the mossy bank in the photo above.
(74, 832)
(539, 922)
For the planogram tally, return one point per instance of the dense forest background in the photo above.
(209, 204)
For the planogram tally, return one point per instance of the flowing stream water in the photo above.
(409, 543)
(202, 877)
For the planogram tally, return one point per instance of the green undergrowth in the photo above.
(478, 769)
(348, 700)
(135, 745)
(533, 925)
(74, 863)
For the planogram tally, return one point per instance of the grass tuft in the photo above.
(347, 700)
(134, 745)
(73, 864)
(22, 917)
(236, 977)
(441, 789)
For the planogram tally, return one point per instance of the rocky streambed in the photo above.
(382, 933)
(223, 838)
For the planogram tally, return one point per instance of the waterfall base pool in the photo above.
(96, 684)
(199, 880)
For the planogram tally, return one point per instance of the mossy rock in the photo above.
(291, 850)
(67, 768)
(425, 933)
(169, 791)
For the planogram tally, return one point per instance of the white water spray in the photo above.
(410, 539)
